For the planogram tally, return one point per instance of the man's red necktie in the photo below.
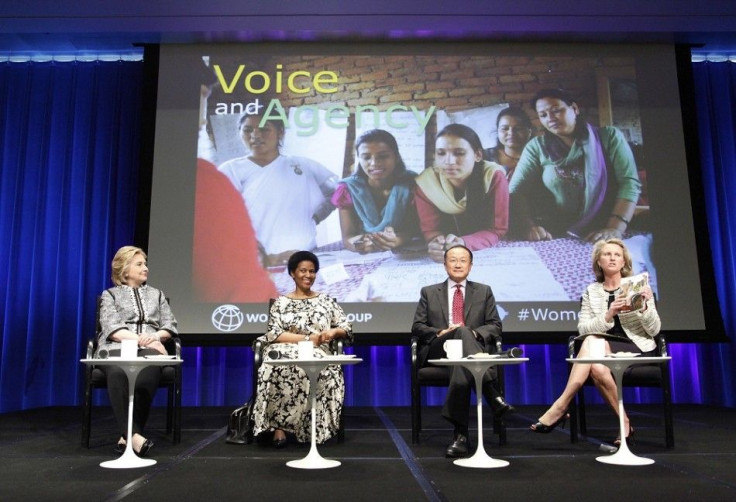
(457, 306)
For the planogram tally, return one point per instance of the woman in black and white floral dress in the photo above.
(282, 403)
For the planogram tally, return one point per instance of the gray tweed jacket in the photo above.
(141, 310)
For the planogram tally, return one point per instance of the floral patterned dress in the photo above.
(282, 396)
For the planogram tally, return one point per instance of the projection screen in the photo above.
(221, 225)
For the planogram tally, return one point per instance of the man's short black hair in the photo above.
(458, 246)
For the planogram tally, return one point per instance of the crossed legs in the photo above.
(602, 379)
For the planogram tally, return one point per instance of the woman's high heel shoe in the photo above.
(541, 428)
(145, 448)
(629, 437)
(280, 443)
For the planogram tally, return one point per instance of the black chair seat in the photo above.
(649, 375)
(433, 376)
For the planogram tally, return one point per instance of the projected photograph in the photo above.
(378, 161)
(378, 164)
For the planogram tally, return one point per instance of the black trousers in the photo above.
(457, 402)
(145, 390)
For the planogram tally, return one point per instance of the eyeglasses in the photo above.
(455, 261)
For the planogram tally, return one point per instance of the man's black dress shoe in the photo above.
(501, 407)
(459, 447)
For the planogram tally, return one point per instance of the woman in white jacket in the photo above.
(605, 314)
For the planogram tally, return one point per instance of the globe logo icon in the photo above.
(227, 318)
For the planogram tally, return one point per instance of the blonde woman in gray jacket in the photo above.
(132, 310)
(605, 315)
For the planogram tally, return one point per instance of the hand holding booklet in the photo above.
(632, 287)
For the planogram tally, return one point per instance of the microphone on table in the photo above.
(513, 352)
(274, 354)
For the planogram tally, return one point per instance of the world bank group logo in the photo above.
(227, 318)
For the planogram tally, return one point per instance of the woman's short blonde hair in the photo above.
(121, 262)
(598, 248)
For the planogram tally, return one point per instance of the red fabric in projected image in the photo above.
(225, 265)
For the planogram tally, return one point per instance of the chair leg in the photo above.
(499, 426)
(581, 413)
(177, 413)
(170, 409)
(86, 415)
(341, 430)
(419, 416)
(669, 432)
(416, 414)
(414, 426)
(574, 412)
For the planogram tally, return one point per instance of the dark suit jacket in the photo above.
(432, 316)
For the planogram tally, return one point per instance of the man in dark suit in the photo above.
(441, 315)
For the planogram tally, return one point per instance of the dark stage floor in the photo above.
(42, 460)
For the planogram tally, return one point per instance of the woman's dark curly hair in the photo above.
(300, 256)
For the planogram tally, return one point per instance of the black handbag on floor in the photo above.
(240, 426)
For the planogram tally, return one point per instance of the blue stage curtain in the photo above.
(69, 152)
(715, 99)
